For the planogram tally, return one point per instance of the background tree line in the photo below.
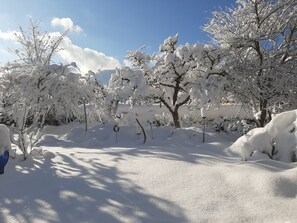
(251, 60)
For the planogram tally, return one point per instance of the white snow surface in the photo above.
(174, 178)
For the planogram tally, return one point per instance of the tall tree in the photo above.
(33, 86)
(259, 38)
(174, 77)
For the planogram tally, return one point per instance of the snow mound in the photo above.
(256, 139)
(278, 139)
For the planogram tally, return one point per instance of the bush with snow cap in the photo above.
(278, 139)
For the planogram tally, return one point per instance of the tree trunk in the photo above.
(263, 108)
(175, 117)
(174, 112)
(143, 131)
(86, 117)
(113, 107)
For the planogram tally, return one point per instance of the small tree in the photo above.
(259, 40)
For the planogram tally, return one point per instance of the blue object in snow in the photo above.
(3, 160)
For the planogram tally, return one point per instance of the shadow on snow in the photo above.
(78, 189)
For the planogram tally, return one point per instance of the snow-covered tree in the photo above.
(117, 91)
(93, 96)
(175, 77)
(34, 88)
(260, 42)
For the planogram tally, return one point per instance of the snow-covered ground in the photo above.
(173, 178)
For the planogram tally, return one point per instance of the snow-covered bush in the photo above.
(278, 139)
(247, 125)
(162, 120)
(233, 124)
(222, 124)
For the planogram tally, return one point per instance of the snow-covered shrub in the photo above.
(233, 124)
(219, 124)
(278, 139)
(163, 119)
(189, 120)
(247, 125)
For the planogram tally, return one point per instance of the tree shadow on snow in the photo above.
(77, 189)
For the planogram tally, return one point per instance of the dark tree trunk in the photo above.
(175, 117)
(113, 107)
(143, 131)
(263, 108)
(174, 111)
(86, 117)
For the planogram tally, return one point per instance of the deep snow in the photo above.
(173, 178)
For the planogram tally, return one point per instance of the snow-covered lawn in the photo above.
(173, 178)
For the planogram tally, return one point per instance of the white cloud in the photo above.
(7, 41)
(127, 63)
(66, 24)
(85, 58)
(8, 36)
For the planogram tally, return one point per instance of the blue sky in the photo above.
(112, 27)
